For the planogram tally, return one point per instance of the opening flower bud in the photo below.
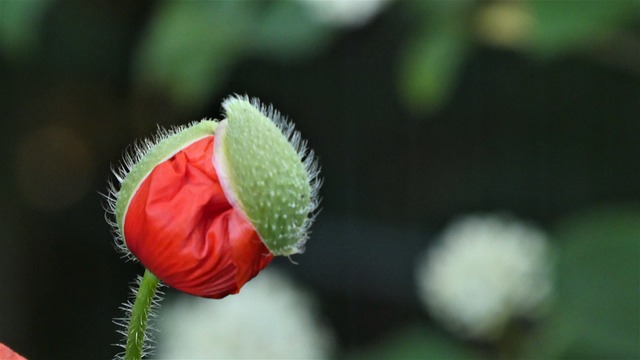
(205, 207)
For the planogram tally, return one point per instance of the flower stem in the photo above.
(136, 334)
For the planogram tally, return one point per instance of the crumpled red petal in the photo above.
(7, 354)
(182, 228)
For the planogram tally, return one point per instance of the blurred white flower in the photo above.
(345, 12)
(484, 272)
(271, 318)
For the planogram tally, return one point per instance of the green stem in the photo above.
(136, 334)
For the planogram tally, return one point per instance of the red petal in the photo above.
(182, 228)
(7, 354)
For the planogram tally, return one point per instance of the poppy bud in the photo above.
(205, 207)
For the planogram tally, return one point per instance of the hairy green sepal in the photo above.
(172, 141)
(265, 175)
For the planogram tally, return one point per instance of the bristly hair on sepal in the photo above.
(305, 156)
(122, 323)
(131, 157)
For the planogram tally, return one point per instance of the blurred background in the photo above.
(421, 112)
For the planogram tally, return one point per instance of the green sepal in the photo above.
(149, 153)
(265, 175)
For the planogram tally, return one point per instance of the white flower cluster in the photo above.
(345, 12)
(484, 272)
(271, 318)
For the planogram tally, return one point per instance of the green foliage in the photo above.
(430, 68)
(287, 31)
(417, 342)
(18, 33)
(598, 291)
(190, 46)
(565, 27)
(432, 59)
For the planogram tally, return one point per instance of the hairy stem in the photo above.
(136, 334)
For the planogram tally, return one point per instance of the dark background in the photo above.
(543, 125)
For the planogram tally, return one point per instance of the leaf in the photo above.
(597, 308)
(429, 70)
(189, 46)
(19, 22)
(561, 27)
(287, 30)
